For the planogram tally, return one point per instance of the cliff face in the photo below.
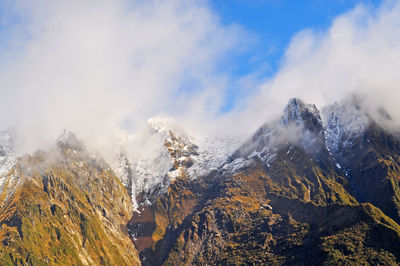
(65, 207)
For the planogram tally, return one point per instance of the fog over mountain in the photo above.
(130, 135)
(103, 68)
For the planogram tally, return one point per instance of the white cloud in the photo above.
(359, 53)
(97, 67)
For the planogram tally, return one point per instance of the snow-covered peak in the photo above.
(300, 124)
(297, 112)
(343, 123)
(165, 153)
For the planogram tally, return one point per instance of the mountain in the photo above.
(284, 197)
(368, 153)
(312, 187)
(173, 155)
(64, 207)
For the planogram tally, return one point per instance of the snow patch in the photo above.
(7, 159)
(343, 124)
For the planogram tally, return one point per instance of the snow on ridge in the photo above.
(7, 158)
(336, 126)
(179, 154)
(299, 124)
(6, 163)
(295, 109)
(213, 153)
(343, 123)
(173, 155)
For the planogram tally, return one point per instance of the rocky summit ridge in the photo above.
(312, 187)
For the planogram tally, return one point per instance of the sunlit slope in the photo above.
(67, 208)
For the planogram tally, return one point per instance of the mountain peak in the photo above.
(295, 101)
(343, 122)
(297, 113)
(68, 140)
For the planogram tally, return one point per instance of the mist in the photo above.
(103, 68)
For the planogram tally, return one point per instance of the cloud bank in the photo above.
(358, 54)
(102, 68)
(99, 67)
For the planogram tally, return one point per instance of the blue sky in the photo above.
(274, 23)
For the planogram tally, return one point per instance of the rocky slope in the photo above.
(287, 196)
(310, 188)
(368, 152)
(173, 155)
(64, 207)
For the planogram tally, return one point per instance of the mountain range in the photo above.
(312, 187)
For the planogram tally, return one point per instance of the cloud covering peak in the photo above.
(100, 68)
(96, 67)
(359, 54)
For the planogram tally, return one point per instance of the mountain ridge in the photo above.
(295, 174)
(297, 192)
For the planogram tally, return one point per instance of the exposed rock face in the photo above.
(290, 195)
(65, 207)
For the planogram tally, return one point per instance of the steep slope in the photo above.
(244, 219)
(282, 198)
(181, 159)
(173, 153)
(368, 152)
(64, 207)
(293, 151)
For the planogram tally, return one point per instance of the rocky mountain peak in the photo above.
(343, 123)
(299, 113)
(68, 141)
(300, 125)
(64, 210)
